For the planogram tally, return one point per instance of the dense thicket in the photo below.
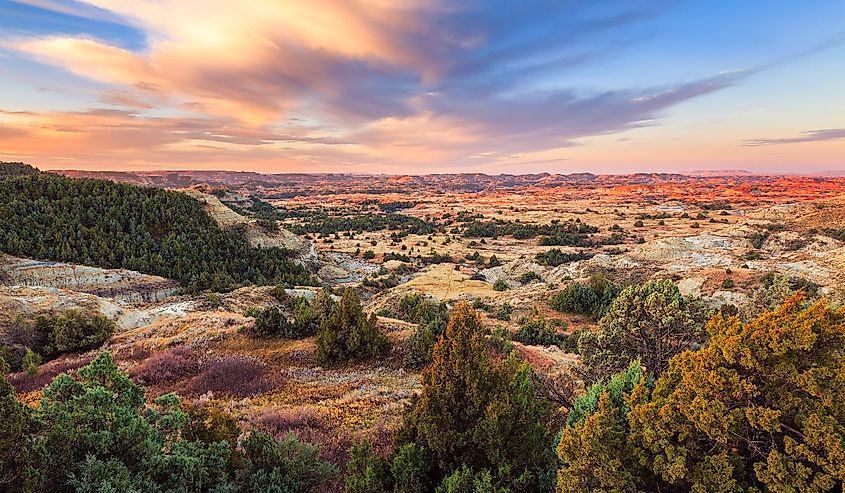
(96, 433)
(113, 225)
(758, 409)
(322, 223)
(571, 233)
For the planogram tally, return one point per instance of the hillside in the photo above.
(153, 231)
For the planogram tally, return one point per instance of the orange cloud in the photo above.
(251, 60)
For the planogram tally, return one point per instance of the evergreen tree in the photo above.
(348, 334)
(758, 409)
(21, 453)
(651, 322)
(478, 412)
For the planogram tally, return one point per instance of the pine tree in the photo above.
(30, 362)
(348, 334)
(478, 412)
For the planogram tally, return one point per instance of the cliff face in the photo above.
(118, 284)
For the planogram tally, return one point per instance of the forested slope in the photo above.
(113, 225)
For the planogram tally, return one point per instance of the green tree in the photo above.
(759, 408)
(478, 412)
(30, 362)
(651, 322)
(761, 404)
(348, 334)
(282, 466)
(21, 453)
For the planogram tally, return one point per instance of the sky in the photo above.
(424, 86)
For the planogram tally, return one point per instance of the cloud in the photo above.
(345, 82)
(808, 136)
(72, 8)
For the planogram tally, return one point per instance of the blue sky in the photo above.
(413, 86)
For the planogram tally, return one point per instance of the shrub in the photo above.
(213, 300)
(591, 299)
(369, 255)
(414, 308)
(617, 388)
(367, 472)
(232, 375)
(727, 283)
(348, 334)
(72, 330)
(30, 362)
(270, 322)
(284, 465)
(405, 471)
(501, 285)
(504, 312)
(650, 321)
(528, 277)
(538, 332)
(167, 367)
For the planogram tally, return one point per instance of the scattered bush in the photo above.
(501, 284)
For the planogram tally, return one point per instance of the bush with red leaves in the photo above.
(232, 375)
(167, 367)
(24, 383)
